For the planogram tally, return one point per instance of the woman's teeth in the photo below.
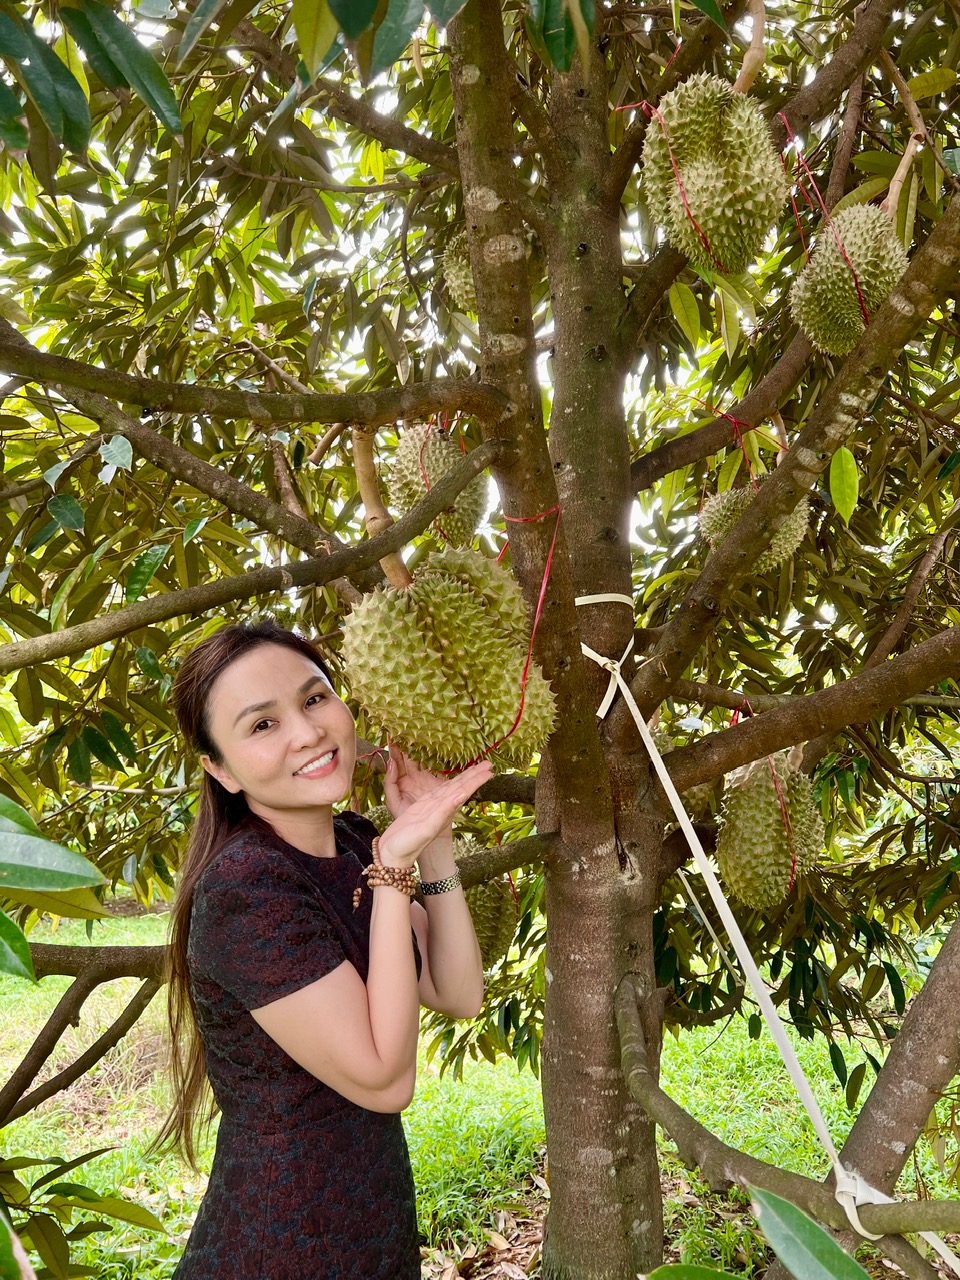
(320, 763)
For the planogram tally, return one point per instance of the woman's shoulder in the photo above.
(245, 856)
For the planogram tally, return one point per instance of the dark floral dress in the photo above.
(305, 1185)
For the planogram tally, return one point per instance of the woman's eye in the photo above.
(316, 697)
(259, 725)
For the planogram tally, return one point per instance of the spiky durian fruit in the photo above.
(731, 182)
(493, 908)
(425, 454)
(497, 588)
(824, 299)
(458, 275)
(767, 837)
(721, 512)
(441, 671)
(380, 816)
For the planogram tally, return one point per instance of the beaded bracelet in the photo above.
(380, 877)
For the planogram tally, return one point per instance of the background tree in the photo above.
(223, 245)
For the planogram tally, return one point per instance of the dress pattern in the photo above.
(305, 1185)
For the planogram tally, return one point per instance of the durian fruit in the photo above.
(732, 179)
(458, 275)
(493, 909)
(424, 455)
(721, 512)
(440, 670)
(759, 853)
(380, 816)
(824, 299)
(497, 588)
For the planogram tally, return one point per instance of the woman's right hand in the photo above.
(428, 816)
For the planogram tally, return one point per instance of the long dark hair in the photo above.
(219, 815)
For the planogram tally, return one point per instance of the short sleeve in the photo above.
(257, 930)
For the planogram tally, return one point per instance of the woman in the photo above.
(299, 1006)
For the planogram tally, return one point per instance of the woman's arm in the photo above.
(451, 978)
(361, 1039)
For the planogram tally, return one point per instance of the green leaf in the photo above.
(140, 67)
(9, 1266)
(951, 159)
(14, 950)
(354, 16)
(950, 465)
(67, 511)
(124, 1211)
(929, 83)
(78, 761)
(712, 11)
(844, 483)
(444, 11)
(148, 664)
(394, 32)
(838, 1062)
(101, 748)
(683, 304)
(49, 1241)
(205, 12)
(30, 862)
(75, 904)
(896, 986)
(144, 568)
(802, 1246)
(316, 28)
(53, 474)
(117, 452)
(64, 1166)
(10, 811)
(12, 129)
(194, 526)
(556, 31)
(78, 24)
(18, 42)
(119, 736)
(75, 110)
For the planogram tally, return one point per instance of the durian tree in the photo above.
(682, 281)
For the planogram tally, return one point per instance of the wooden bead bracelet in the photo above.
(380, 877)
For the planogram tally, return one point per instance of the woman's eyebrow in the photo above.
(264, 706)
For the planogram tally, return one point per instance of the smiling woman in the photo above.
(298, 963)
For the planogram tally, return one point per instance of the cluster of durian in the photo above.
(824, 299)
(733, 184)
(439, 666)
(761, 851)
(721, 512)
(380, 816)
(425, 453)
(458, 275)
(493, 909)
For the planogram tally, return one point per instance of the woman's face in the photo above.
(286, 740)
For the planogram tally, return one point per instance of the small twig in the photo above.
(777, 421)
(755, 55)
(915, 116)
(327, 440)
(378, 518)
(889, 205)
(293, 383)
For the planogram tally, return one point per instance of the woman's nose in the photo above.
(308, 728)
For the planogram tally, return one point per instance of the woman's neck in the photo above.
(311, 830)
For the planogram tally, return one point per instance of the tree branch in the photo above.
(369, 408)
(853, 701)
(845, 143)
(91, 1056)
(210, 595)
(725, 1166)
(490, 864)
(756, 406)
(343, 106)
(928, 279)
(377, 516)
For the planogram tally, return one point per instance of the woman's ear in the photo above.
(221, 773)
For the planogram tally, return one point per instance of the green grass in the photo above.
(474, 1143)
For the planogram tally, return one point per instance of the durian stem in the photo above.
(755, 56)
(378, 517)
(889, 205)
(915, 115)
(777, 421)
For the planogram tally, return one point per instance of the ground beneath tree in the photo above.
(513, 1246)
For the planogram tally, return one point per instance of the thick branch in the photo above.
(851, 60)
(245, 586)
(371, 408)
(490, 864)
(756, 406)
(340, 104)
(378, 518)
(929, 278)
(845, 143)
(91, 1056)
(723, 1165)
(853, 701)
